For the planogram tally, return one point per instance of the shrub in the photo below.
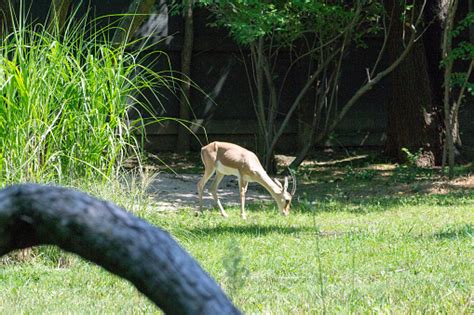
(65, 100)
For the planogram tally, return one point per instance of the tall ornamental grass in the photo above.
(65, 98)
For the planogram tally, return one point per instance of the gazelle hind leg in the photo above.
(215, 184)
(243, 190)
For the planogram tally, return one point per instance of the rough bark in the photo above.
(415, 119)
(375, 77)
(450, 6)
(306, 118)
(183, 143)
(112, 238)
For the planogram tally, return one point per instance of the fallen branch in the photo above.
(112, 238)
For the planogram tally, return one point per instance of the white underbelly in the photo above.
(231, 171)
(227, 170)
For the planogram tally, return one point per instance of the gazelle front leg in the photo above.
(215, 184)
(243, 190)
(201, 184)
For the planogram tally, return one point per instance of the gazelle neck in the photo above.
(265, 180)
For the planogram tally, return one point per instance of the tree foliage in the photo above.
(315, 35)
(464, 51)
(249, 20)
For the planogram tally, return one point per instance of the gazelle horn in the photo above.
(293, 180)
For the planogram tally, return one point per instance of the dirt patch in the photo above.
(179, 191)
(446, 186)
(331, 174)
(173, 192)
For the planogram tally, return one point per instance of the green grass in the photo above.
(406, 254)
(66, 100)
(362, 238)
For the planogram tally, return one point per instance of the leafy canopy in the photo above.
(287, 21)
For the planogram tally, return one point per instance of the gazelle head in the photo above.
(283, 199)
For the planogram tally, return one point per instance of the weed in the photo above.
(360, 174)
(235, 270)
(412, 158)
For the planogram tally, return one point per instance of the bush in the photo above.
(65, 101)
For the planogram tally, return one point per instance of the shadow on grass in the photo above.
(332, 182)
(255, 230)
(361, 204)
(380, 187)
(456, 232)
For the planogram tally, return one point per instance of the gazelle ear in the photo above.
(285, 186)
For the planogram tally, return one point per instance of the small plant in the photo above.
(360, 174)
(413, 158)
(305, 203)
(55, 256)
(235, 270)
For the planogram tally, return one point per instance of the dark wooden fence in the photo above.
(223, 105)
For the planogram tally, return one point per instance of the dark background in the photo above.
(224, 104)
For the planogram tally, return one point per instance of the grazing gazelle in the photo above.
(225, 158)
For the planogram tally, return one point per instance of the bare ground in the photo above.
(318, 178)
(179, 191)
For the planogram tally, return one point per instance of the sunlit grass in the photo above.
(359, 240)
(396, 257)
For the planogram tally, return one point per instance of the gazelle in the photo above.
(225, 158)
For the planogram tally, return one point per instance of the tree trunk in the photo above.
(332, 122)
(123, 244)
(415, 119)
(307, 128)
(186, 58)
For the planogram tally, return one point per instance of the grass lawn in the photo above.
(359, 240)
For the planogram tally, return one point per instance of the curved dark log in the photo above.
(112, 238)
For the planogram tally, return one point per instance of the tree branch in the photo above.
(300, 96)
(112, 238)
(370, 84)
